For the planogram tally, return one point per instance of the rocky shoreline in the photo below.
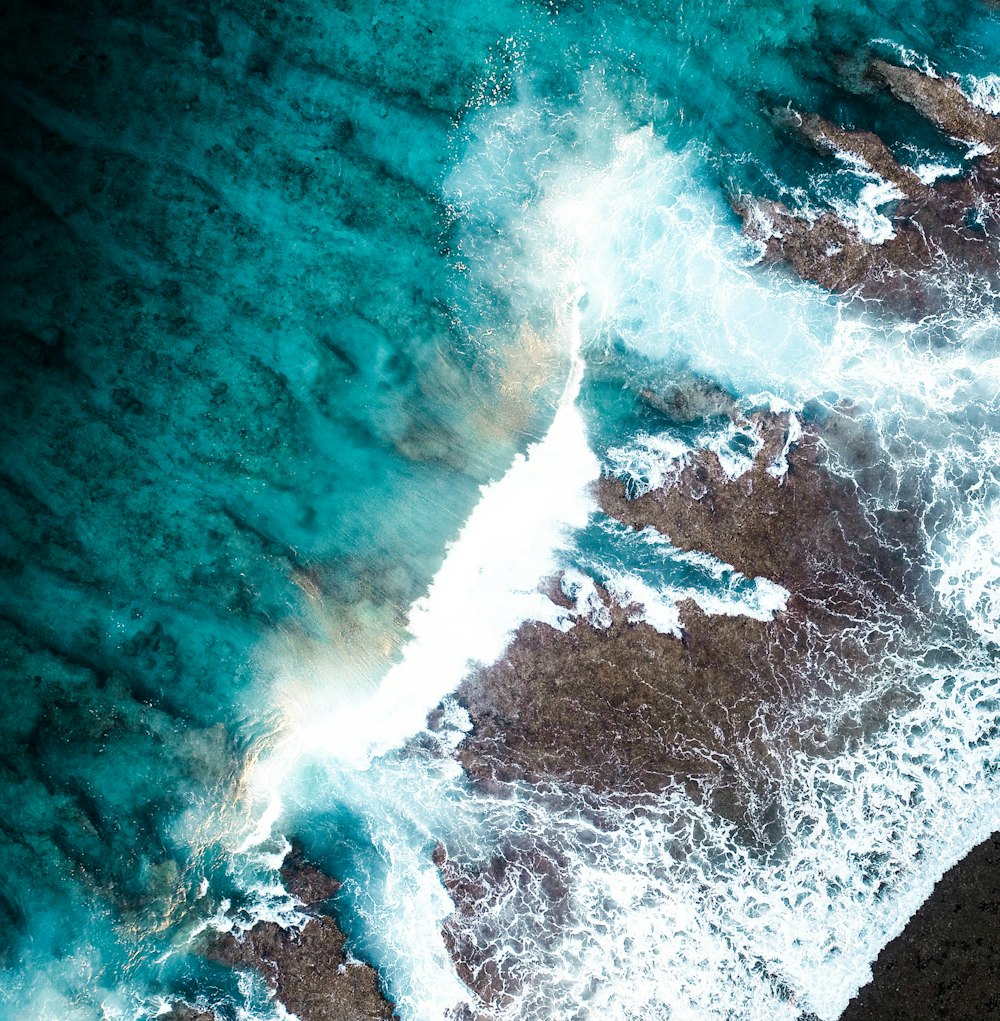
(621, 711)
(624, 711)
(939, 228)
(308, 969)
(627, 711)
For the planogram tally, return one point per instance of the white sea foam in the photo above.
(865, 212)
(779, 466)
(982, 90)
(654, 460)
(489, 583)
(969, 569)
(931, 172)
(658, 607)
(649, 462)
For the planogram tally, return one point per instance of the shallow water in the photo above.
(295, 296)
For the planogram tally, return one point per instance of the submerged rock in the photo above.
(692, 401)
(308, 968)
(182, 1012)
(946, 962)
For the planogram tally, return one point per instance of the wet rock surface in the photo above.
(626, 710)
(946, 962)
(522, 866)
(308, 969)
(621, 713)
(939, 229)
(807, 530)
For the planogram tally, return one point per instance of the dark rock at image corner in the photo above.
(308, 969)
(945, 965)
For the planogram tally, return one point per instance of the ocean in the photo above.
(322, 324)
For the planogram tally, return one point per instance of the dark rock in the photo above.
(941, 101)
(308, 968)
(305, 882)
(946, 962)
(524, 863)
(864, 146)
(939, 228)
(184, 1012)
(612, 709)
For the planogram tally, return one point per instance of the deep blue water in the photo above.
(281, 283)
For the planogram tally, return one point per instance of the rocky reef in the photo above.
(619, 711)
(626, 710)
(939, 229)
(308, 968)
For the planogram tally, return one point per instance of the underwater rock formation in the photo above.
(946, 962)
(308, 969)
(939, 229)
(182, 1012)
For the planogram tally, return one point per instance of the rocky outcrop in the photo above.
(308, 968)
(807, 530)
(863, 146)
(946, 962)
(616, 714)
(939, 229)
(625, 710)
(182, 1012)
(941, 101)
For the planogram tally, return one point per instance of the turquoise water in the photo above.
(281, 286)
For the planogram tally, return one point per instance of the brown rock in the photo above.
(808, 531)
(940, 229)
(864, 146)
(306, 883)
(307, 968)
(626, 710)
(941, 101)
